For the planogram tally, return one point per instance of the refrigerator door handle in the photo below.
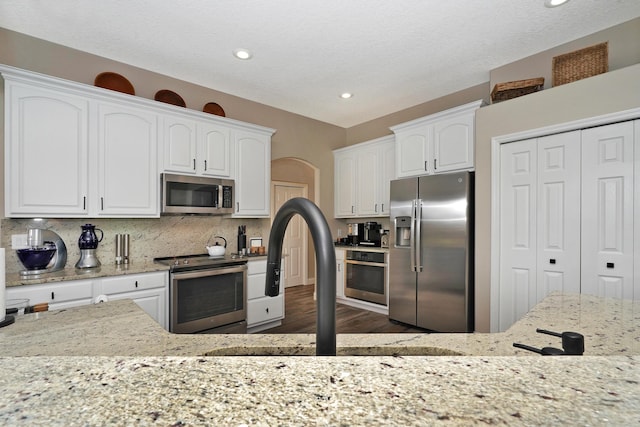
(412, 239)
(417, 240)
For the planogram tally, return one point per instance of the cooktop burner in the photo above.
(199, 261)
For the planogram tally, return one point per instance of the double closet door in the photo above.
(567, 216)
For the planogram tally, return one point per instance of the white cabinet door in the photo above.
(413, 151)
(58, 295)
(179, 136)
(253, 174)
(46, 152)
(368, 181)
(607, 211)
(128, 179)
(261, 309)
(453, 141)
(149, 290)
(388, 173)
(214, 150)
(344, 185)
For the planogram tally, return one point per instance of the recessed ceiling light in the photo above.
(554, 3)
(346, 95)
(242, 54)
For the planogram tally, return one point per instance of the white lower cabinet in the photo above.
(148, 290)
(58, 295)
(263, 312)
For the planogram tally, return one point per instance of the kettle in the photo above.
(217, 250)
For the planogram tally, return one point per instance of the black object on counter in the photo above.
(242, 239)
(572, 344)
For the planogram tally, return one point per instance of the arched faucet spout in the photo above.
(325, 267)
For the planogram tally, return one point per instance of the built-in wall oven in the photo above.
(207, 294)
(366, 276)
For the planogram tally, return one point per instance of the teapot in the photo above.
(88, 238)
(216, 249)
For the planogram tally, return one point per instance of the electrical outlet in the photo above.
(18, 241)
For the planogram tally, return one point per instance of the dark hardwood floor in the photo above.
(300, 317)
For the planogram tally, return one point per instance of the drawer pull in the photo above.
(610, 265)
(552, 261)
(267, 309)
(136, 283)
(52, 295)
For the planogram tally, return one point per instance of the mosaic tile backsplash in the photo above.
(149, 237)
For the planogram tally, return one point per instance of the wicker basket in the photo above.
(509, 90)
(580, 64)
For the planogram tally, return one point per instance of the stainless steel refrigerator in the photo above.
(431, 252)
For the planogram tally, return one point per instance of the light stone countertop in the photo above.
(112, 364)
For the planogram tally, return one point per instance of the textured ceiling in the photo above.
(392, 54)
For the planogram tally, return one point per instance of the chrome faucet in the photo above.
(325, 267)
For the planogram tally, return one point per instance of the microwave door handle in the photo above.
(220, 195)
(412, 240)
(418, 235)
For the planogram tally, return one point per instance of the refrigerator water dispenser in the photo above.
(403, 232)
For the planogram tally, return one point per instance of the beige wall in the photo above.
(606, 93)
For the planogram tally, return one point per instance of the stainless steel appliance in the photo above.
(366, 276)
(185, 194)
(431, 252)
(355, 233)
(207, 294)
(45, 252)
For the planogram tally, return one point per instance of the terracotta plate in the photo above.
(169, 97)
(213, 108)
(114, 81)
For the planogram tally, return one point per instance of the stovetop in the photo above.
(199, 261)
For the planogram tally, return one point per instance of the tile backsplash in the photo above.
(149, 237)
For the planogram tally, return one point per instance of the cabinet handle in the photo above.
(136, 283)
(84, 203)
(552, 261)
(101, 203)
(426, 166)
(382, 208)
(267, 309)
(352, 209)
(237, 206)
(339, 270)
(205, 165)
(194, 164)
(53, 296)
(434, 164)
(610, 265)
(375, 208)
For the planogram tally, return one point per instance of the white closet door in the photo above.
(518, 199)
(558, 225)
(607, 210)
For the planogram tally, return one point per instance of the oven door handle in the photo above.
(372, 264)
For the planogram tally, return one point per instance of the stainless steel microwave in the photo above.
(185, 194)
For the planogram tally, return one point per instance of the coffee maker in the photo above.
(88, 243)
(371, 234)
(45, 252)
(355, 233)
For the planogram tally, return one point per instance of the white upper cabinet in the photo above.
(196, 147)
(437, 143)
(127, 167)
(362, 174)
(252, 173)
(46, 151)
(73, 150)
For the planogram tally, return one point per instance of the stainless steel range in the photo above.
(207, 294)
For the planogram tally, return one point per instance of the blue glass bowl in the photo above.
(36, 258)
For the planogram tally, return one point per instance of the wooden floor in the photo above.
(300, 317)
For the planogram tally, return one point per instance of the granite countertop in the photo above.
(72, 273)
(112, 364)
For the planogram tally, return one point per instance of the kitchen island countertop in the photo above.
(112, 364)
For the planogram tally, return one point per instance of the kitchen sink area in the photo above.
(112, 358)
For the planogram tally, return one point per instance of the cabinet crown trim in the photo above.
(471, 106)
